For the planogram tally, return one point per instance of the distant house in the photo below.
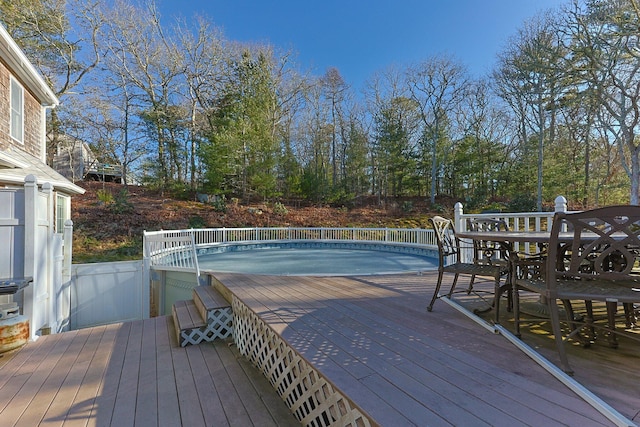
(76, 161)
(35, 200)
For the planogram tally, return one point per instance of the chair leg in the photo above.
(470, 288)
(435, 293)
(557, 333)
(453, 285)
(588, 305)
(496, 301)
(499, 290)
(612, 308)
(629, 315)
(576, 326)
(508, 285)
(516, 309)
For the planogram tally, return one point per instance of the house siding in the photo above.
(32, 117)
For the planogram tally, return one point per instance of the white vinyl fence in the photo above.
(109, 292)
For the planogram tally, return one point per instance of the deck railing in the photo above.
(519, 221)
(177, 249)
(173, 250)
(170, 247)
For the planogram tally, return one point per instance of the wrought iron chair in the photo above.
(592, 256)
(450, 261)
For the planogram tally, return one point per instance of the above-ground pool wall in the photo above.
(168, 287)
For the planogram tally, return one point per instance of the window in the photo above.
(17, 111)
(63, 208)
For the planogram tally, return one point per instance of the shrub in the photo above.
(407, 206)
(220, 204)
(121, 203)
(196, 222)
(104, 197)
(280, 209)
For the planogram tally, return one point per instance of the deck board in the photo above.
(481, 374)
(168, 404)
(374, 333)
(450, 399)
(66, 386)
(146, 411)
(132, 373)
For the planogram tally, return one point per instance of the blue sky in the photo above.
(360, 37)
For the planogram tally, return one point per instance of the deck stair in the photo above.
(205, 318)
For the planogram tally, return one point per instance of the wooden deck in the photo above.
(371, 336)
(134, 374)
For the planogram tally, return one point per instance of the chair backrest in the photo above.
(487, 252)
(602, 243)
(448, 242)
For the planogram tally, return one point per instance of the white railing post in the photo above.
(458, 223)
(561, 204)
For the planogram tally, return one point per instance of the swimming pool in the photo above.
(316, 258)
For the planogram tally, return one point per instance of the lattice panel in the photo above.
(311, 398)
(219, 325)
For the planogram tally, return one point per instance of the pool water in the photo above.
(315, 261)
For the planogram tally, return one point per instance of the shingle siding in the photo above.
(32, 117)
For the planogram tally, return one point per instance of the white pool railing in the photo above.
(177, 249)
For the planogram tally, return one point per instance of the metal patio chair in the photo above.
(592, 256)
(450, 251)
(489, 252)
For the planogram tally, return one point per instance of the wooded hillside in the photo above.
(109, 219)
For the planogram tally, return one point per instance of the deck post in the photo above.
(561, 204)
(29, 270)
(458, 211)
(46, 299)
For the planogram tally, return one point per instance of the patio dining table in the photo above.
(509, 241)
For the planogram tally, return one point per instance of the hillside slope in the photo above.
(109, 220)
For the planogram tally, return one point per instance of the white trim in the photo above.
(11, 162)
(23, 69)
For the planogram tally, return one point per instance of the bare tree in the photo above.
(152, 67)
(204, 69)
(335, 91)
(528, 77)
(438, 86)
(605, 42)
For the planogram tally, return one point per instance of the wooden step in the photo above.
(186, 318)
(207, 298)
(204, 319)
